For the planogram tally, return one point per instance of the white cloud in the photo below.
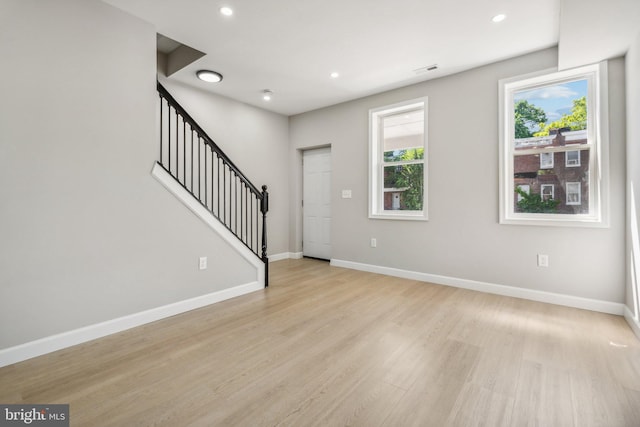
(553, 116)
(549, 92)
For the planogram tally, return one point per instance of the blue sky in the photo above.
(555, 100)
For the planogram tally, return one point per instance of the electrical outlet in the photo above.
(203, 263)
(543, 260)
(346, 194)
(374, 242)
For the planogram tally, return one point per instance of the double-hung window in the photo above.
(398, 161)
(546, 160)
(559, 116)
(573, 193)
(526, 188)
(572, 159)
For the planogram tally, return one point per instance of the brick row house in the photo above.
(558, 168)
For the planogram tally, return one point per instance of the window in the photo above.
(527, 190)
(398, 161)
(545, 116)
(546, 160)
(573, 190)
(546, 190)
(572, 159)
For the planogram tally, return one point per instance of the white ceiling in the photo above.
(593, 30)
(292, 46)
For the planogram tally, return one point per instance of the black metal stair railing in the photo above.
(205, 171)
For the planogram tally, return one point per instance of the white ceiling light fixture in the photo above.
(335, 75)
(267, 94)
(226, 11)
(209, 76)
(499, 18)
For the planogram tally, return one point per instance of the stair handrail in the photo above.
(261, 196)
(195, 126)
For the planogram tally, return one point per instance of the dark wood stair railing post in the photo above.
(264, 208)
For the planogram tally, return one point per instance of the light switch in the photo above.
(346, 194)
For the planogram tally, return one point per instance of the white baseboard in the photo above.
(632, 321)
(52, 343)
(278, 257)
(491, 288)
(285, 255)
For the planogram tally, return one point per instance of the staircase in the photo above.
(201, 168)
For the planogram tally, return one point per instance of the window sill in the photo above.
(404, 216)
(553, 221)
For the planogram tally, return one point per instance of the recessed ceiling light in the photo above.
(209, 76)
(267, 94)
(499, 18)
(335, 75)
(226, 11)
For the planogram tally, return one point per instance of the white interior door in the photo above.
(316, 199)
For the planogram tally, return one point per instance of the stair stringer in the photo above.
(175, 188)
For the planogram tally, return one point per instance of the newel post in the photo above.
(264, 208)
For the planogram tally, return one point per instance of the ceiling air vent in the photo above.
(423, 70)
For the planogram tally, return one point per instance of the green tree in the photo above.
(409, 176)
(577, 120)
(534, 203)
(526, 117)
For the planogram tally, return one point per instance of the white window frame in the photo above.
(597, 143)
(542, 187)
(546, 165)
(376, 162)
(566, 159)
(579, 193)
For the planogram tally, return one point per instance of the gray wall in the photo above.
(462, 238)
(633, 146)
(86, 234)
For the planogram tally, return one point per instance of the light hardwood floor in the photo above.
(326, 346)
